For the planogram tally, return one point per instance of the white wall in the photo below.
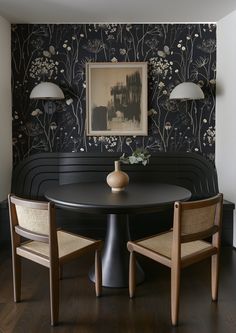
(226, 108)
(5, 109)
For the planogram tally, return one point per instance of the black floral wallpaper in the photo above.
(59, 53)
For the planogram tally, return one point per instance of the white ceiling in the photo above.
(86, 11)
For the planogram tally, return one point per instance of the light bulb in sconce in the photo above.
(69, 101)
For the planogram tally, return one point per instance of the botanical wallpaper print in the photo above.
(59, 53)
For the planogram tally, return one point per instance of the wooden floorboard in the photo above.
(82, 312)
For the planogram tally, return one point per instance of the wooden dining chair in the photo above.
(45, 245)
(193, 223)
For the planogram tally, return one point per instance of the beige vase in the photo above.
(117, 179)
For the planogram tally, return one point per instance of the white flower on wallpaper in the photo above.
(43, 67)
(59, 53)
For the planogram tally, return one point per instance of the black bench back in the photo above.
(33, 176)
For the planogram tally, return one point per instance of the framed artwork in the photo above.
(116, 98)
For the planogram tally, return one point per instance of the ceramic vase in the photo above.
(117, 179)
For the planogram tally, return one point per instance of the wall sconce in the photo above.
(187, 91)
(47, 90)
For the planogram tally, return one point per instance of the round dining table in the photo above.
(97, 198)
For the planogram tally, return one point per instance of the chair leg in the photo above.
(16, 267)
(214, 276)
(132, 274)
(98, 273)
(54, 293)
(175, 288)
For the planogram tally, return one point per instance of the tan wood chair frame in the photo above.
(175, 262)
(53, 262)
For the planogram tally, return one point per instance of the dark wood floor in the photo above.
(149, 312)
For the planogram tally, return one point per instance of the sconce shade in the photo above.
(47, 90)
(187, 90)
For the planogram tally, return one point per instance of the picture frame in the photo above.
(116, 96)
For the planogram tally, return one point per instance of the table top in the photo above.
(96, 197)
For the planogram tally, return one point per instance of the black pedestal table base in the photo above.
(115, 256)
